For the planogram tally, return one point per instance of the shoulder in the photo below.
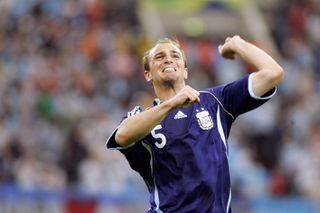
(212, 93)
(234, 87)
(111, 142)
(212, 96)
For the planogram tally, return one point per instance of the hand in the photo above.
(185, 97)
(227, 50)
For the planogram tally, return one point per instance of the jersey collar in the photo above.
(156, 102)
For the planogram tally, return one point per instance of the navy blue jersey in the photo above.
(184, 159)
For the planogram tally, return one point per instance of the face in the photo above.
(166, 65)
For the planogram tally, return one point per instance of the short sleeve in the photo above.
(238, 97)
(266, 96)
(111, 142)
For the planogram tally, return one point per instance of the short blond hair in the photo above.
(175, 42)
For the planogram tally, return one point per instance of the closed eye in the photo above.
(176, 56)
(159, 56)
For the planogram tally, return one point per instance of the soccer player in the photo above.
(179, 145)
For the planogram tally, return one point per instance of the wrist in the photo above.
(238, 44)
(168, 105)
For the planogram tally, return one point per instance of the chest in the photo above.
(185, 127)
(188, 141)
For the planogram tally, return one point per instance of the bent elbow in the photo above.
(121, 138)
(277, 76)
(280, 73)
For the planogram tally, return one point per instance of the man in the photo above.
(179, 146)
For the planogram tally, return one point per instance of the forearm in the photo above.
(138, 126)
(269, 73)
(254, 56)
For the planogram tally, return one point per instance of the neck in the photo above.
(167, 90)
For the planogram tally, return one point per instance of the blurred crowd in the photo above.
(65, 70)
(70, 69)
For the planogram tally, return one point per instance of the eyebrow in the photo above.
(171, 51)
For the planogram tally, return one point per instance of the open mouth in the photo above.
(169, 69)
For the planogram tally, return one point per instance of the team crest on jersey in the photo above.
(204, 119)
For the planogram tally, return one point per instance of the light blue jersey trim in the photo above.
(220, 130)
(229, 200)
(156, 198)
(251, 92)
(156, 193)
(224, 140)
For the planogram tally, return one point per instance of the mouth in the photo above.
(169, 69)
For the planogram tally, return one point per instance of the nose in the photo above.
(168, 59)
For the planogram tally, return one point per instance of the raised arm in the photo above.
(138, 126)
(269, 73)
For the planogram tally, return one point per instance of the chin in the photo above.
(169, 82)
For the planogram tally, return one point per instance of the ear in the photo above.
(147, 76)
(185, 73)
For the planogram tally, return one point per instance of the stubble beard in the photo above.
(169, 84)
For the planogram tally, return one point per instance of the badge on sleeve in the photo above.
(204, 119)
(136, 110)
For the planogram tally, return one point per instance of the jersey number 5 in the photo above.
(159, 136)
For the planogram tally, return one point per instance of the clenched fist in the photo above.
(185, 97)
(228, 49)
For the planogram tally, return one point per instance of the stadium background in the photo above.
(70, 69)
